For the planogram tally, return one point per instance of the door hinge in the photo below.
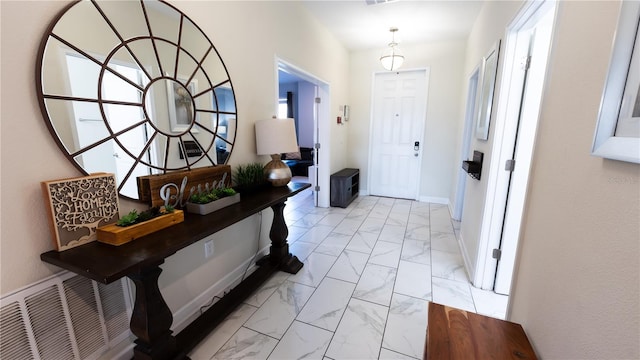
(510, 165)
(526, 62)
(317, 188)
(497, 253)
(317, 146)
(318, 100)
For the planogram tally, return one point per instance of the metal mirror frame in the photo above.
(206, 158)
(622, 80)
(487, 89)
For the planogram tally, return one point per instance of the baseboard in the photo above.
(189, 312)
(450, 206)
(434, 200)
(465, 257)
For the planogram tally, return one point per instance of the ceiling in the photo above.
(361, 26)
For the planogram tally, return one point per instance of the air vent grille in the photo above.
(114, 308)
(49, 324)
(64, 317)
(85, 318)
(14, 340)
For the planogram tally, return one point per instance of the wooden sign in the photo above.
(175, 188)
(78, 206)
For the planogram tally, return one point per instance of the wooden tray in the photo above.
(118, 235)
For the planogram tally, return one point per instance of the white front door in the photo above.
(399, 111)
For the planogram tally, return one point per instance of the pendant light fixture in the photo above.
(392, 57)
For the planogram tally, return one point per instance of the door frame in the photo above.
(427, 73)
(321, 127)
(505, 133)
(471, 113)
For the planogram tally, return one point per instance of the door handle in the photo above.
(416, 145)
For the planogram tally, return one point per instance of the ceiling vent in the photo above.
(376, 2)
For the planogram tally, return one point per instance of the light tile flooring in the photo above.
(369, 272)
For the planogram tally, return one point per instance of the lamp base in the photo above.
(277, 172)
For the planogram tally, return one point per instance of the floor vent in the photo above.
(64, 317)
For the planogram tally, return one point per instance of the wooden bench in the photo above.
(457, 334)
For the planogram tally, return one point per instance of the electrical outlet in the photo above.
(208, 248)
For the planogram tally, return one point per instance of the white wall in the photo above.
(446, 61)
(248, 36)
(577, 289)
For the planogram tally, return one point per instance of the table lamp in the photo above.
(274, 137)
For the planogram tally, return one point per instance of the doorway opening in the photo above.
(308, 104)
(471, 113)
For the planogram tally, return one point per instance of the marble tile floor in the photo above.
(369, 272)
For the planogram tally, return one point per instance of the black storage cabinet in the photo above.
(345, 185)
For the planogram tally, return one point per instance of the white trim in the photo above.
(465, 253)
(470, 116)
(434, 200)
(605, 143)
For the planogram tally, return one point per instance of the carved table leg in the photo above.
(151, 319)
(279, 252)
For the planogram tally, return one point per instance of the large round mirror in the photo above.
(134, 88)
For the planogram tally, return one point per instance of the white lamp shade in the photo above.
(275, 136)
(392, 58)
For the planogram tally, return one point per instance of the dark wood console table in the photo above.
(140, 261)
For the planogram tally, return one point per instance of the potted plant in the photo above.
(137, 224)
(249, 178)
(209, 201)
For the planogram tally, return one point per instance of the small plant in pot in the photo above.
(249, 178)
(135, 217)
(212, 200)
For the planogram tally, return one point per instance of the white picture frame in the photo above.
(181, 106)
(487, 89)
(617, 134)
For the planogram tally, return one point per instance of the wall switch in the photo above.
(208, 248)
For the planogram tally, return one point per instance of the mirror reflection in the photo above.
(124, 84)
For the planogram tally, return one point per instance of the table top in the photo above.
(107, 263)
(457, 334)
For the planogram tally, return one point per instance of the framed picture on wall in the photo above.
(487, 86)
(180, 100)
(617, 134)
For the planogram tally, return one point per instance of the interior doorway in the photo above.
(315, 94)
(526, 53)
(471, 114)
(397, 131)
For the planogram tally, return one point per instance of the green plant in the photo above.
(128, 219)
(213, 195)
(249, 175)
(133, 217)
